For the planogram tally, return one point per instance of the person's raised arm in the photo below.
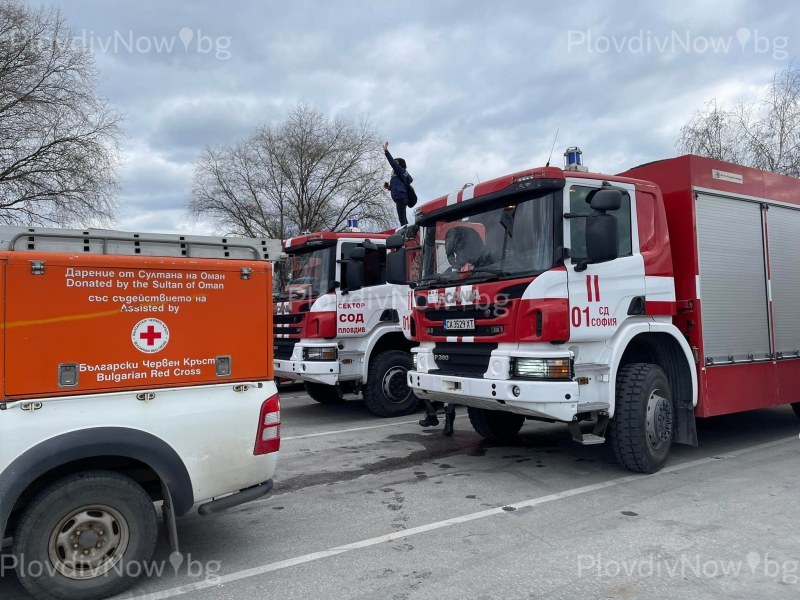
(398, 170)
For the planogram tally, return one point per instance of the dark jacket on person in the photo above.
(396, 187)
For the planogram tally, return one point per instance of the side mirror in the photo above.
(393, 242)
(357, 253)
(602, 237)
(606, 199)
(355, 269)
(396, 267)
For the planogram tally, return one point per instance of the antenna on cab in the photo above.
(555, 139)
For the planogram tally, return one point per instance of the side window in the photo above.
(374, 264)
(577, 227)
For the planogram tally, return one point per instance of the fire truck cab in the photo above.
(339, 325)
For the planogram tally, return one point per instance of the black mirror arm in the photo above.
(581, 266)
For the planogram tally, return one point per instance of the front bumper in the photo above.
(314, 371)
(557, 400)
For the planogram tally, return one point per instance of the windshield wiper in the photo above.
(438, 278)
(477, 274)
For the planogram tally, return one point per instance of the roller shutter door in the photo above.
(784, 251)
(733, 290)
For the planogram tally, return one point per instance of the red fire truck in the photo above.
(635, 302)
(339, 325)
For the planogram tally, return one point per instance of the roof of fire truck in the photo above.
(474, 194)
(307, 239)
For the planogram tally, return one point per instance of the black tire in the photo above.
(387, 393)
(495, 425)
(98, 507)
(796, 408)
(323, 393)
(642, 427)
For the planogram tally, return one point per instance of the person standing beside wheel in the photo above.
(432, 420)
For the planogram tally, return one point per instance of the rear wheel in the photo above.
(323, 393)
(387, 393)
(86, 536)
(495, 425)
(642, 427)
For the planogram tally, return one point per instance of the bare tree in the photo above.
(764, 134)
(58, 151)
(309, 173)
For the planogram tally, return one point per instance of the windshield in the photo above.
(509, 240)
(305, 274)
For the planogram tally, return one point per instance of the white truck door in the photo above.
(601, 294)
(359, 312)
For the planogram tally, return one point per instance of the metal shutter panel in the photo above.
(732, 279)
(783, 227)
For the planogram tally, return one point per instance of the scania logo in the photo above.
(441, 357)
(465, 297)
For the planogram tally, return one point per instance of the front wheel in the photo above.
(387, 393)
(323, 393)
(642, 427)
(495, 425)
(88, 535)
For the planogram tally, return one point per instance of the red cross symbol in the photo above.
(151, 335)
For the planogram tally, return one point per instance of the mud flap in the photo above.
(684, 430)
(169, 518)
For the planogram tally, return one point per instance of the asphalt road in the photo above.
(380, 508)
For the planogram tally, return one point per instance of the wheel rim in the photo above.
(395, 385)
(659, 420)
(89, 542)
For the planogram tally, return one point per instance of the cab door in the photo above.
(359, 312)
(601, 295)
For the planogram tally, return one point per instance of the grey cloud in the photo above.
(457, 87)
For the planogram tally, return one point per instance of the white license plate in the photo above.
(459, 324)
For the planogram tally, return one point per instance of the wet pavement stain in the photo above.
(434, 448)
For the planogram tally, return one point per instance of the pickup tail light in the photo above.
(268, 437)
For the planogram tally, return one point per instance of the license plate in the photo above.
(459, 324)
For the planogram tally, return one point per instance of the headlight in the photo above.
(542, 368)
(322, 353)
(414, 360)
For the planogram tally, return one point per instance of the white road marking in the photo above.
(310, 435)
(399, 535)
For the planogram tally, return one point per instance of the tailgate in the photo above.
(78, 324)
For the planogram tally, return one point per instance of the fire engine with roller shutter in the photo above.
(625, 306)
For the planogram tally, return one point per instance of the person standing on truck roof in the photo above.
(397, 184)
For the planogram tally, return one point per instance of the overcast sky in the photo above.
(463, 90)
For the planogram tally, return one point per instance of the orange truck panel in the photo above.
(101, 323)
